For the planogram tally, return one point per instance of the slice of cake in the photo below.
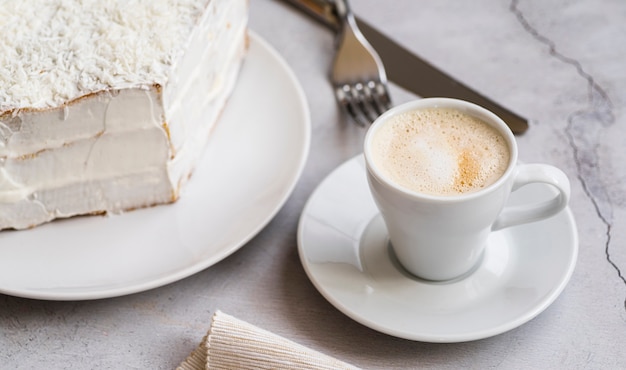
(107, 105)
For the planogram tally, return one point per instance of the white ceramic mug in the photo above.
(442, 237)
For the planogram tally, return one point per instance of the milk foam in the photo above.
(440, 152)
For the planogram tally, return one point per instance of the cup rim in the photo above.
(462, 105)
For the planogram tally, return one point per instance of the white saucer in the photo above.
(343, 246)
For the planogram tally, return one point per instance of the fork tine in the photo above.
(380, 97)
(351, 102)
(363, 102)
(367, 100)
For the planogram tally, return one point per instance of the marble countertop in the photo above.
(559, 63)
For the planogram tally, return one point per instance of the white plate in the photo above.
(343, 246)
(254, 159)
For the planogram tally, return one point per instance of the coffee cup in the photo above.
(441, 171)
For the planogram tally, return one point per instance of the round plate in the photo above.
(344, 248)
(254, 159)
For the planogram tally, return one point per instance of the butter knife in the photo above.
(408, 70)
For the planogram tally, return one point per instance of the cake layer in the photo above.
(27, 132)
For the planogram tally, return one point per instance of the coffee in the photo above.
(440, 151)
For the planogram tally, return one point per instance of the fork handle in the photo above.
(343, 9)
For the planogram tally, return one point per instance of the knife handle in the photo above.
(323, 11)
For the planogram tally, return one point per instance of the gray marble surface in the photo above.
(558, 62)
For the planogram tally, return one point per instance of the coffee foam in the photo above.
(440, 152)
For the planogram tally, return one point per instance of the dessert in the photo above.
(107, 105)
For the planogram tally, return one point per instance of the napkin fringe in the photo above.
(197, 359)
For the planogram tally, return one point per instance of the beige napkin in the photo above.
(235, 344)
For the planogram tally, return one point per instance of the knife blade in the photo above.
(407, 69)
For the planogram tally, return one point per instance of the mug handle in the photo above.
(535, 173)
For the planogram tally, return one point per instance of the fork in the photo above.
(358, 75)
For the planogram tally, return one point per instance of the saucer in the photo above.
(343, 246)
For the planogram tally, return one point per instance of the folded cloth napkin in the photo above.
(235, 344)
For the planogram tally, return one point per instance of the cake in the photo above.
(107, 105)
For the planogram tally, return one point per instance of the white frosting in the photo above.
(55, 51)
(197, 96)
(125, 144)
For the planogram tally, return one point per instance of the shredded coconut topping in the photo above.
(52, 52)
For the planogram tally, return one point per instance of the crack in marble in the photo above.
(583, 133)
